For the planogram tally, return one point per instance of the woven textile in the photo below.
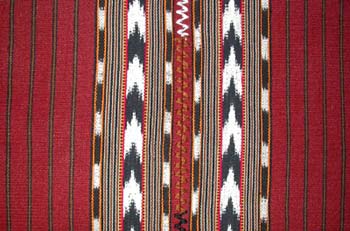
(175, 115)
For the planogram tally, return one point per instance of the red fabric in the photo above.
(63, 86)
(334, 159)
(83, 125)
(4, 27)
(315, 113)
(41, 103)
(40, 113)
(278, 101)
(297, 113)
(321, 127)
(19, 109)
(347, 102)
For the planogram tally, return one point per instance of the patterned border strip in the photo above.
(196, 111)
(232, 120)
(209, 195)
(135, 117)
(167, 126)
(252, 137)
(155, 112)
(97, 140)
(265, 114)
(113, 114)
(182, 116)
(244, 111)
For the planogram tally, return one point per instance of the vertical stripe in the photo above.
(41, 107)
(201, 105)
(4, 51)
(278, 121)
(62, 115)
(168, 102)
(324, 113)
(196, 145)
(343, 126)
(30, 113)
(19, 107)
(288, 150)
(146, 89)
(314, 44)
(84, 117)
(296, 83)
(154, 124)
(243, 142)
(123, 115)
(344, 74)
(333, 115)
(220, 62)
(182, 116)
(264, 114)
(210, 117)
(231, 115)
(52, 107)
(8, 115)
(98, 132)
(306, 117)
(134, 153)
(252, 135)
(114, 106)
(270, 117)
(72, 119)
(19, 113)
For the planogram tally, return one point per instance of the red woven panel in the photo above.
(28, 109)
(309, 175)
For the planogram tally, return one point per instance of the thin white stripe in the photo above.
(265, 99)
(197, 38)
(263, 209)
(166, 173)
(197, 146)
(97, 176)
(100, 67)
(98, 124)
(264, 48)
(168, 73)
(96, 224)
(167, 122)
(265, 155)
(194, 202)
(101, 19)
(169, 21)
(165, 222)
(264, 4)
(197, 91)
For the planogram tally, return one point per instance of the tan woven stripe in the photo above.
(210, 117)
(114, 100)
(252, 117)
(154, 114)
